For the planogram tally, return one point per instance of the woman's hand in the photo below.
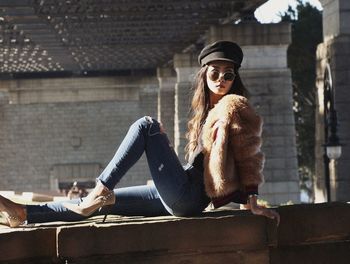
(261, 210)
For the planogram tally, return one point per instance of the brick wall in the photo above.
(271, 95)
(36, 137)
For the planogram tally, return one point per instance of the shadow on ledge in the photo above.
(313, 233)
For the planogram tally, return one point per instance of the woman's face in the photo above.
(220, 77)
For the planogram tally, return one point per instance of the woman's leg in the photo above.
(176, 190)
(139, 200)
(180, 193)
(181, 190)
(167, 172)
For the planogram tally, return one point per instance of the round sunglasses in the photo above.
(215, 75)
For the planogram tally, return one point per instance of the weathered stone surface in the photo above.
(71, 90)
(253, 34)
(203, 234)
(27, 243)
(191, 257)
(320, 253)
(304, 224)
(186, 67)
(166, 100)
(314, 233)
(336, 18)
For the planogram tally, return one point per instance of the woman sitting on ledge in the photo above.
(224, 158)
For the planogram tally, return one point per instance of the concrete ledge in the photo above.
(306, 224)
(216, 232)
(319, 253)
(29, 243)
(315, 233)
(172, 258)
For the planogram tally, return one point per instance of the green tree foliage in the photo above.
(306, 35)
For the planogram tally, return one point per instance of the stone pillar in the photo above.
(266, 75)
(166, 99)
(334, 50)
(186, 67)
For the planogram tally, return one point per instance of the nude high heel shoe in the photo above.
(11, 213)
(10, 220)
(91, 205)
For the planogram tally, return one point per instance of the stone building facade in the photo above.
(334, 51)
(65, 129)
(68, 128)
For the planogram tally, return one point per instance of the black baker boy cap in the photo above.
(221, 50)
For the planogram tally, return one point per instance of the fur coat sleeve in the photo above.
(231, 146)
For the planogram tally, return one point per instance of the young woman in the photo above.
(225, 161)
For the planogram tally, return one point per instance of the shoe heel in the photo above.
(104, 218)
(107, 209)
(88, 209)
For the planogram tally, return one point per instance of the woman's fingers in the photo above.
(257, 210)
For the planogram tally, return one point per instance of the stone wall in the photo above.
(186, 67)
(56, 129)
(166, 100)
(335, 50)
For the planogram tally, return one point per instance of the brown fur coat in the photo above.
(231, 146)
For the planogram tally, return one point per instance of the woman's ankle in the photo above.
(100, 189)
(22, 212)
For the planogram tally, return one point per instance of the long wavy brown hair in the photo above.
(200, 105)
